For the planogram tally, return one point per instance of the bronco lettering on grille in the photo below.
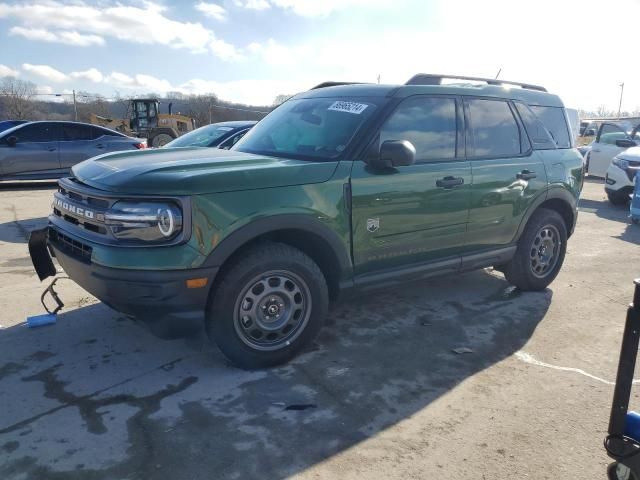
(71, 208)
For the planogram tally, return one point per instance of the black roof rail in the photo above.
(434, 79)
(335, 84)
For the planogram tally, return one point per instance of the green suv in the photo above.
(346, 186)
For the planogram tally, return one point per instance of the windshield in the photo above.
(201, 137)
(308, 129)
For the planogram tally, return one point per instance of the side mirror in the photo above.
(395, 153)
(625, 143)
(12, 140)
(590, 133)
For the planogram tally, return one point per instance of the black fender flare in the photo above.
(559, 193)
(306, 223)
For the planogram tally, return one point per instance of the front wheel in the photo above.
(269, 304)
(617, 199)
(540, 253)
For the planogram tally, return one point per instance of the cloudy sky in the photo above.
(252, 50)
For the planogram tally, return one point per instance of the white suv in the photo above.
(612, 139)
(621, 174)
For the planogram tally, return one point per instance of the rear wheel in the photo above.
(268, 305)
(540, 253)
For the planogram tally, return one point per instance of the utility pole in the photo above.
(378, 78)
(620, 104)
(498, 74)
(75, 106)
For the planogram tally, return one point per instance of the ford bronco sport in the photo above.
(344, 186)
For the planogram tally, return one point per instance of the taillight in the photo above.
(140, 146)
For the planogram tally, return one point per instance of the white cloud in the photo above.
(61, 36)
(253, 4)
(45, 71)
(225, 51)
(92, 74)
(140, 82)
(145, 24)
(7, 71)
(252, 92)
(213, 10)
(46, 89)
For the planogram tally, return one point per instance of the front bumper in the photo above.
(158, 297)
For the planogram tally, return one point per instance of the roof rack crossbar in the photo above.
(433, 79)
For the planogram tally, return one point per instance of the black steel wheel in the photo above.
(544, 250)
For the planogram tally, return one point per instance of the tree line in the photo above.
(20, 100)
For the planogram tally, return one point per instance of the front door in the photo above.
(507, 173)
(35, 152)
(418, 213)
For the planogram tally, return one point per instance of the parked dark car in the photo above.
(42, 150)
(222, 135)
(7, 124)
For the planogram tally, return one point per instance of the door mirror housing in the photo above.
(395, 153)
(590, 133)
(624, 143)
(12, 140)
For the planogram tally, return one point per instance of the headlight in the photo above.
(621, 163)
(147, 221)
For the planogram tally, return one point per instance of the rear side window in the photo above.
(554, 119)
(97, 132)
(538, 133)
(493, 130)
(428, 123)
(37, 132)
(72, 132)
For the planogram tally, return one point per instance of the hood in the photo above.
(190, 171)
(632, 154)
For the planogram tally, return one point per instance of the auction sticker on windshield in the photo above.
(349, 107)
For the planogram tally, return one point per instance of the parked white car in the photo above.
(621, 174)
(611, 140)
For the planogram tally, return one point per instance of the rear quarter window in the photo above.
(555, 121)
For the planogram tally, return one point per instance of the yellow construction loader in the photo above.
(144, 120)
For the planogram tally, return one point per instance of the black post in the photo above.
(626, 366)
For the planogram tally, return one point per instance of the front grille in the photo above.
(77, 205)
(67, 244)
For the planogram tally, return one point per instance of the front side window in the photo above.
(493, 130)
(36, 132)
(610, 133)
(308, 128)
(554, 119)
(429, 123)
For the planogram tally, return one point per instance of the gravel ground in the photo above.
(380, 394)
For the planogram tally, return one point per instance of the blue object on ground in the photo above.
(40, 320)
(635, 201)
(632, 426)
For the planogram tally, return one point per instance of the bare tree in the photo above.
(88, 103)
(16, 98)
(280, 99)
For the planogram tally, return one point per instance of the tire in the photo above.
(534, 265)
(616, 199)
(161, 140)
(269, 304)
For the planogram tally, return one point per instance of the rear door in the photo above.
(76, 144)
(507, 173)
(604, 148)
(414, 214)
(35, 153)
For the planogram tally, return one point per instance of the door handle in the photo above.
(52, 149)
(526, 175)
(99, 146)
(449, 182)
(597, 150)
